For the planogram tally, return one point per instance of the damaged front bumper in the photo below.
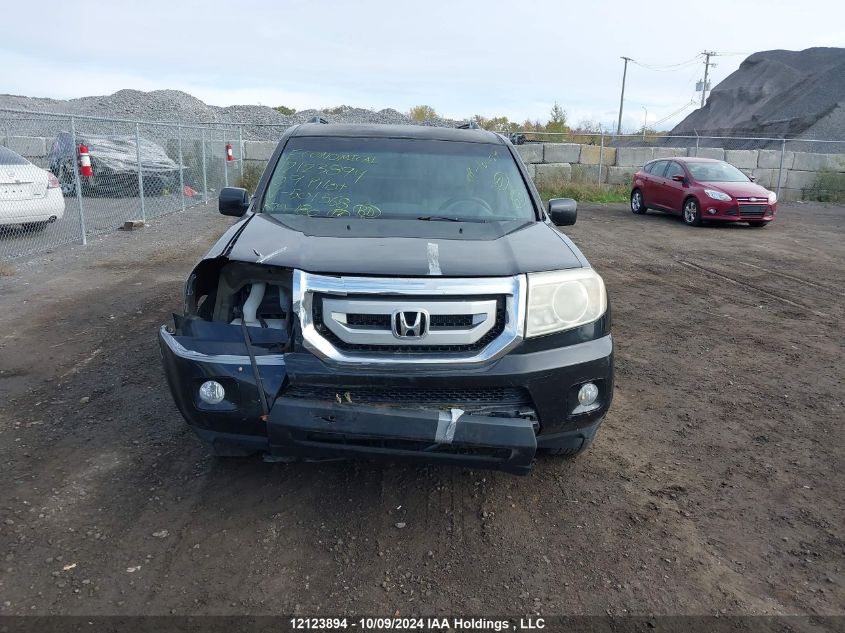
(493, 416)
(310, 427)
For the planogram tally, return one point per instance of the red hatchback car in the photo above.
(701, 189)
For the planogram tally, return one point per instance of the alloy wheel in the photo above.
(691, 212)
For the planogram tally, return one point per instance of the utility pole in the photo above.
(707, 64)
(622, 98)
(645, 120)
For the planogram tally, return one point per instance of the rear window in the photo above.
(331, 177)
(8, 157)
(658, 167)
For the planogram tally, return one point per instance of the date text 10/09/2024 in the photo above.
(417, 624)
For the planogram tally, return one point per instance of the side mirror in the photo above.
(563, 211)
(233, 201)
(679, 178)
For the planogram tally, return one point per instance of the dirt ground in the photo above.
(715, 485)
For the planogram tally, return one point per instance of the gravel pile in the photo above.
(793, 94)
(175, 105)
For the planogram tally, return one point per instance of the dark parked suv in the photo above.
(393, 291)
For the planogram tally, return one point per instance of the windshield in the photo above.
(8, 157)
(716, 172)
(390, 178)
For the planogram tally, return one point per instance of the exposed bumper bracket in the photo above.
(304, 427)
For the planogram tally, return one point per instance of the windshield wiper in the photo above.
(443, 218)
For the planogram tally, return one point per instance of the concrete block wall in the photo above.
(716, 153)
(561, 153)
(588, 173)
(550, 163)
(547, 175)
(742, 158)
(568, 162)
(770, 159)
(595, 154)
(29, 146)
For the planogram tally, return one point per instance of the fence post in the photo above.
(181, 167)
(696, 143)
(77, 181)
(601, 156)
(8, 135)
(140, 172)
(225, 163)
(204, 175)
(241, 145)
(780, 169)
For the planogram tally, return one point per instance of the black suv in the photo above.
(393, 291)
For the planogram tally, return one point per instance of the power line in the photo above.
(669, 67)
(689, 103)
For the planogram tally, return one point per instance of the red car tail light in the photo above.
(52, 182)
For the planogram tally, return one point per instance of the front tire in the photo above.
(692, 214)
(34, 227)
(637, 204)
(67, 182)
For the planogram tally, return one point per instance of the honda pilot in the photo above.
(398, 292)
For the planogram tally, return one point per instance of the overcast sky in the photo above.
(495, 57)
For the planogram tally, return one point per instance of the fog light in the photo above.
(587, 394)
(712, 211)
(212, 392)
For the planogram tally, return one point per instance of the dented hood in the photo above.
(399, 247)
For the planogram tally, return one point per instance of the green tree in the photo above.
(557, 120)
(531, 126)
(495, 124)
(285, 110)
(587, 132)
(422, 113)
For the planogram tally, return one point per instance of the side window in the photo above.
(648, 167)
(674, 168)
(658, 168)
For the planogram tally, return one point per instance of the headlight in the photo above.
(773, 197)
(563, 299)
(717, 195)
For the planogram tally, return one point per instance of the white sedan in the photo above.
(29, 196)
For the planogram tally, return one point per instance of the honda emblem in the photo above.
(410, 324)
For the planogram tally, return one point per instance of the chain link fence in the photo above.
(141, 170)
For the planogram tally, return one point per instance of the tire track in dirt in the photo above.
(706, 461)
(745, 284)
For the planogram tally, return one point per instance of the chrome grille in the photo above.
(418, 321)
(460, 326)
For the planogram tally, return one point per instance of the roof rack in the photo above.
(472, 125)
(318, 119)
